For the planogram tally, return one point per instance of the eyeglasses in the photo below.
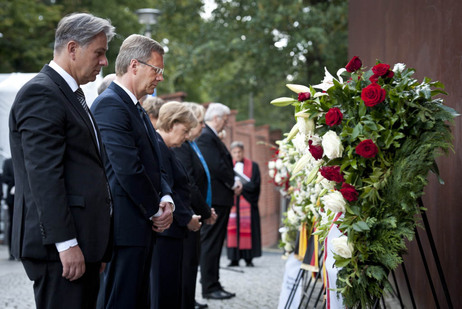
(159, 71)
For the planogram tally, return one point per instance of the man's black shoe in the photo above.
(233, 264)
(219, 294)
(199, 306)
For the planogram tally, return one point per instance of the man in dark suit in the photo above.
(142, 197)
(224, 186)
(62, 217)
(8, 179)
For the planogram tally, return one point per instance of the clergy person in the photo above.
(244, 237)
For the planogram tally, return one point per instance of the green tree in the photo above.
(246, 51)
(26, 34)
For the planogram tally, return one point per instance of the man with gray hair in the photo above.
(142, 197)
(224, 186)
(62, 218)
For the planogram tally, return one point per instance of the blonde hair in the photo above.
(175, 112)
(197, 109)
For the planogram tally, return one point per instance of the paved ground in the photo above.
(256, 287)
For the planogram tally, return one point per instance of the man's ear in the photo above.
(134, 65)
(72, 49)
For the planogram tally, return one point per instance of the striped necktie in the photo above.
(81, 98)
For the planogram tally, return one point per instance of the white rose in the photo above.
(332, 145)
(277, 178)
(334, 201)
(342, 247)
(399, 67)
(279, 164)
(271, 164)
(272, 173)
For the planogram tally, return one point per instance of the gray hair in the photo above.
(152, 106)
(81, 28)
(107, 80)
(136, 47)
(197, 109)
(216, 109)
(237, 144)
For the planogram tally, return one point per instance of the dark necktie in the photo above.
(152, 135)
(81, 98)
(83, 102)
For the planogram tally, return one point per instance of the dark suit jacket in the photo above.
(61, 188)
(178, 180)
(8, 179)
(133, 167)
(197, 179)
(220, 165)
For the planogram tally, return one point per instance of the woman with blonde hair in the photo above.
(173, 126)
(201, 202)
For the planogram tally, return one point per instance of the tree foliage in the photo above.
(243, 52)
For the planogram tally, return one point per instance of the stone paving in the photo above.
(256, 287)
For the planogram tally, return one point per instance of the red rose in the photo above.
(367, 149)
(349, 192)
(354, 65)
(303, 96)
(332, 173)
(374, 78)
(381, 69)
(316, 150)
(373, 95)
(334, 116)
(390, 74)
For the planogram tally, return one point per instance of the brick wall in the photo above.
(256, 147)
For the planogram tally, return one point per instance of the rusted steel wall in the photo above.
(426, 35)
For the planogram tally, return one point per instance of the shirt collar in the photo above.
(213, 130)
(66, 76)
(130, 94)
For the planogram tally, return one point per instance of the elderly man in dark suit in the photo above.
(62, 218)
(224, 186)
(142, 197)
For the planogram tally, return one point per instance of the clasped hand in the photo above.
(163, 222)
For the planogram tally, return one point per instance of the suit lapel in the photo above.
(72, 99)
(220, 143)
(147, 126)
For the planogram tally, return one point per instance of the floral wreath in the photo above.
(363, 146)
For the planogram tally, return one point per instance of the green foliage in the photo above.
(410, 129)
(230, 57)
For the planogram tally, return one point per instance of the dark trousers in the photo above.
(191, 254)
(53, 291)
(212, 239)
(126, 279)
(166, 274)
(10, 224)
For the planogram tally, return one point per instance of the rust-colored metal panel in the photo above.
(426, 35)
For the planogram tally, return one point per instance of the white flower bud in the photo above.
(334, 201)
